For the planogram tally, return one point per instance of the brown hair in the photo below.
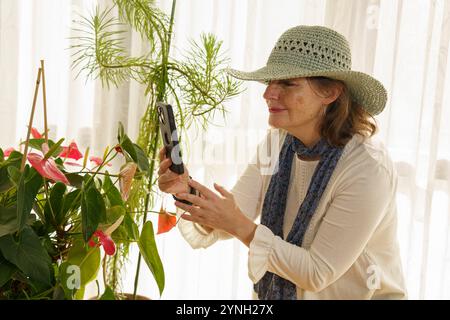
(343, 118)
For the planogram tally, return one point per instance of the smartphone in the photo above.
(170, 136)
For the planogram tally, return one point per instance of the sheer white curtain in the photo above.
(402, 43)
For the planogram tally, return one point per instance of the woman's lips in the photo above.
(276, 110)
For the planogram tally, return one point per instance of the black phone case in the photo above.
(169, 134)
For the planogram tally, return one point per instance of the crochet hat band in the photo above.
(313, 51)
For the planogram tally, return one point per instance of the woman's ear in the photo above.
(334, 93)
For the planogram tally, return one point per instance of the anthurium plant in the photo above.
(61, 211)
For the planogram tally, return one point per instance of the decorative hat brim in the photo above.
(364, 89)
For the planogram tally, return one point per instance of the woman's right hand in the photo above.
(169, 181)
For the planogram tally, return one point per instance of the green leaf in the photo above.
(8, 220)
(93, 211)
(127, 145)
(81, 267)
(70, 202)
(6, 167)
(108, 294)
(112, 193)
(53, 206)
(131, 227)
(149, 251)
(15, 159)
(2, 155)
(37, 144)
(29, 185)
(28, 255)
(136, 153)
(120, 132)
(53, 149)
(6, 270)
(79, 295)
(5, 182)
(14, 175)
(142, 160)
(114, 213)
(75, 180)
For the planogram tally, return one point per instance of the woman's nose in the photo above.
(272, 91)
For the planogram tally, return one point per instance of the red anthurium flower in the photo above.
(46, 167)
(102, 239)
(71, 152)
(35, 133)
(8, 151)
(165, 221)
(98, 161)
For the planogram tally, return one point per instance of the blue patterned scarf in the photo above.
(272, 286)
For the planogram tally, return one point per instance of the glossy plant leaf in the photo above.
(149, 251)
(27, 253)
(29, 185)
(93, 211)
(71, 202)
(7, 269)
(8, 220)
(80, 268)
(53, 206)
(112, 193)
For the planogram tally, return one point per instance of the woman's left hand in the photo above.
(217, 211)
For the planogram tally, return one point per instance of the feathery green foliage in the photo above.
(197, 85)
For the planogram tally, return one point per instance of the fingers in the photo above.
(194, 211)
(162, 154)
(202, 189)
(195, 200)
(168, 178)
(164, 165)
(225, 193)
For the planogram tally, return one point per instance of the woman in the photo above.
(328, 211)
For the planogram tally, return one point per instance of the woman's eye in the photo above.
(288, 83)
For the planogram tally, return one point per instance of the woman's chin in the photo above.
(275, 123)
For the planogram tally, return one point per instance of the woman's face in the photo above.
(294, 106)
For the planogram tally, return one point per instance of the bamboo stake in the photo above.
(31, 120)
(44, 96)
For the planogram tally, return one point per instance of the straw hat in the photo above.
(310, 51)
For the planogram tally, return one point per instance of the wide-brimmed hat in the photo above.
(316, 51)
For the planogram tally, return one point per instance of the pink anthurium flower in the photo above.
(71, 152)
(46, 167)
(98, 161)
(8, 151)
(35, 133)
(103, 238)
(99, 238)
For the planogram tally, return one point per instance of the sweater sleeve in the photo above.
(247, 191)
(357, 207)
(247, 194)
